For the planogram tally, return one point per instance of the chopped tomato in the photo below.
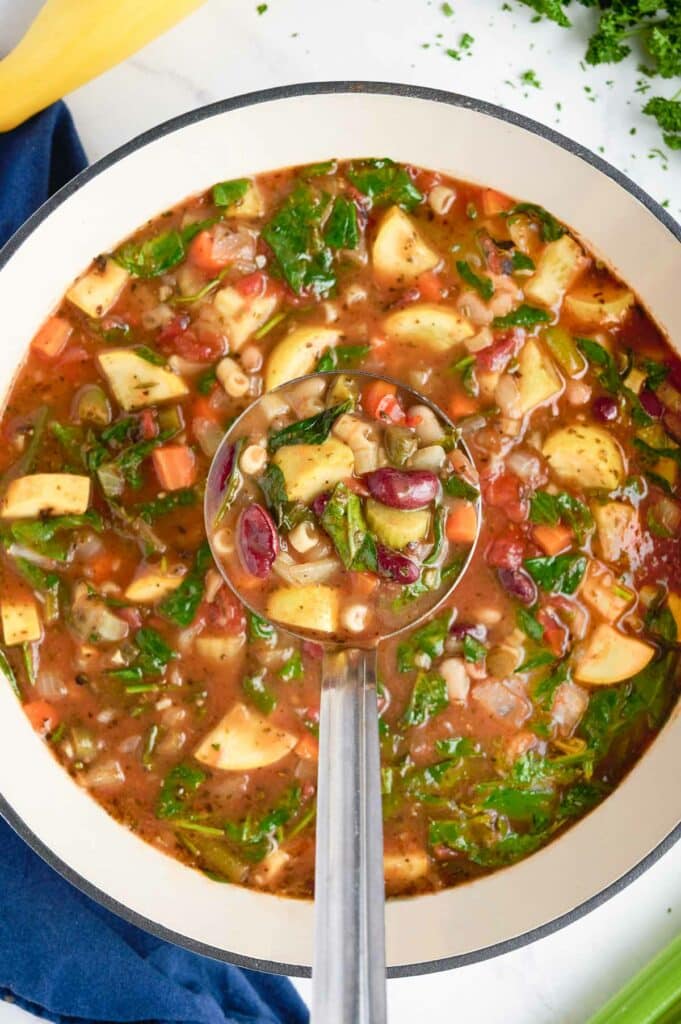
(252, 285)
(148, 424)
(196, 344)
(505, 491)
(498, 355)
(430, 286)
(506, 551)
(494, 202)
(175, 466)
(52, 337)
(552, 539)
(225, 613)
(42, 716)
(380, 402)
(462, 523)
(461, 404)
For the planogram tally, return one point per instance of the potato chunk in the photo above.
(610, 656)
(298, 353)
(599, 306)
(242, 315)
(151, 586)
(428, 325)
(558, 267)
(311, 606)
(136, 382)
(604, 594)
(221, 648)
(310, 469)
(399, 252)
(98, 290)
(618, 528)
(403, 867)
(46, 494)
(537, 378)
(244, 740)
(585, 457)
(20, 619)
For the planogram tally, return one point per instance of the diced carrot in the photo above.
(364, 583)
(430, 286)
(495, 202)
(380, 402)
(203, 409)
(462, 523)
(42, 716)
(51, 339)
(175, 466)
(461, 404)
(307, 748)
(553, 539)
(203, 255)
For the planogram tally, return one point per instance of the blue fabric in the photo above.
(62, 956)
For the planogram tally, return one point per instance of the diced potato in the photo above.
(310, 469)
(399, 252)
(599, 306)
(537, 378)
(559, 265)
(241, 315)
(428, 325)
(151, 586)
(98, 290)
(250, 206)
(585, 457)
(136, 382)
(312, 606)
(46, 494)
(244, 740)
(635, 379)
(270, 869)
(674, 602)
(401, 868)
(20, 619)
(487, 383)
(397, 527)
(220, 648)
(604, 594)
(618, 528)
(298, 354)
(610, 656)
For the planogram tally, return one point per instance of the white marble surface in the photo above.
(226, 49)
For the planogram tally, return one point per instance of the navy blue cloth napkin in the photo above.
(62, 956)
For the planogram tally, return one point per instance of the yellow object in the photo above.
(72, 41)
(610, 656)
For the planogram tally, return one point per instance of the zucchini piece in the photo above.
(428, 325)
(674, 604)
(311, 606)
(538, 381)
(559, 266)
(244, 740)
(397, 527)
(309, 469)
(220, 648)
(242, 315)
(298, 354)
(402, 868)
(99, 289)
(586, 457)
(20, 619)
(604, 594)
(610, 656)
(136, 382)
(151, 586)
(250, 206)
(655, 437)
(399, 253)
(599, 306)
(618, 528)
(46, 494)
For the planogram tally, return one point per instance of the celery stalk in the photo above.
(653, 996)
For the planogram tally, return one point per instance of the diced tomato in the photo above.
(555, 632)
(506, 551)
(505, 491)
(430, 286)
(225, 613)
(461, 404)
(252, 285)
(498, 355)
(148, 424)
(42, 716)
(131, 615)
(462, 523)
(380, 401)
(51, 339)
(494, 202)
(307, 747)
(196, 344)
(313, 650)
(175, 466)
(552, 539)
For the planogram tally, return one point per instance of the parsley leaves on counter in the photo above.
(667, 113)
(294, 234)
(385, 183)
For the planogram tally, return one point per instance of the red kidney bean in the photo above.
(605, 409)
(518, 584)
(257, 540)
(651, 403)
(395, 566)
(401, 488)
(320, 503)
(498, 355)
(227, 467)
(461, 629)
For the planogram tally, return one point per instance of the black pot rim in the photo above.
(176, 124)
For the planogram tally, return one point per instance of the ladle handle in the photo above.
(348, 974)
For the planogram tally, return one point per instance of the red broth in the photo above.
(521, 704)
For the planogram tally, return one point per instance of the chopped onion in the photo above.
(91, 618)
(507, 396)
(526, 465)
(19, 551)
(49, 685)
(209, 435)
(105, 774)
(130, 744)
(84, 744)
(305, 572)
(668, 515)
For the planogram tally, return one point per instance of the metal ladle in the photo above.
(348, 971)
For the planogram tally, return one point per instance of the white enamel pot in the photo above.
(264, 131)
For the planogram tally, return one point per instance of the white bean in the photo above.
(440, 199)
(354, 617)
(453, 671)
